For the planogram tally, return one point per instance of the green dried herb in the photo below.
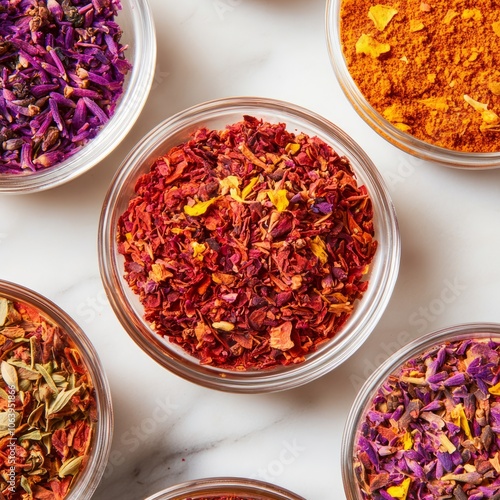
(47, 406)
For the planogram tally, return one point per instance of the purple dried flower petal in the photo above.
(457, 379)
(55, 9)
(445, 460)
(26, 153)
(43, 89)
(56, 115)
(495, 417)
(41, 62)
(433, 405)
(80, 116)
(62, 101)
(58, 63)
(94, 108)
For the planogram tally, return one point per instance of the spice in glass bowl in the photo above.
(248, 246)
(218, 497)
(432, 429)
(62, 71)
(48, 409)
(429, 68)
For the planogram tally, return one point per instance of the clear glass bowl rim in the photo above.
(89, 479)
(458, 332)
(129, 107)
(225, 486)
(402, 140)
(319, 362)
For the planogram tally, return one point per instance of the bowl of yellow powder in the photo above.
(424, 74)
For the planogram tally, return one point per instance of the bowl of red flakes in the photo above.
(72, 85)
(225, 488)
(248, 245)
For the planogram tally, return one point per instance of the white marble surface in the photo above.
(168, 430)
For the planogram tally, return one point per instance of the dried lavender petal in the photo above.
(448, 447)
(53, 53)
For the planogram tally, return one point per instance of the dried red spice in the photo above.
(248, 246)
(62, 71)
(47, 406)
(225, 497)
(432, 430)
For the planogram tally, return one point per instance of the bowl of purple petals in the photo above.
(426, 424)
(72, 84)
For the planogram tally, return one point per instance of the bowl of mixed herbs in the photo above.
(56, 417)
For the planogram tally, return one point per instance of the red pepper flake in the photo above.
(224, 497)
(248, 246)
(433, 428)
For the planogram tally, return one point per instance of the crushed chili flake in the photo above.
(62, 71)
(224, 497)
(264, 238)
(432, 430)
(47, 406)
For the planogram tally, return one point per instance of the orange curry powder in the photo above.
(431, 68)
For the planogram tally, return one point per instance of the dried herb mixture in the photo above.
(430, 67)
(433, 429)
(47, 406)
(62, 69)
(248, 246)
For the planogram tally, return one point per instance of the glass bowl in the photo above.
(383, 127)
(216, 115)
(378, 383)
(136, 21)
(214, 488)
(100, 445)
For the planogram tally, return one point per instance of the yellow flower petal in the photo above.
(495, 390)
(496, 27)
(416, 25)
(248, 188)
(198, 249)
(407, 441)
(369, 46)
(199, 208)
(159, 273)
(474, 14)
(381, 15)
(459, 418)
(292, 148)
(228, 183)
(450, 15)
(318, 248)
(401, 491)
(279, 199)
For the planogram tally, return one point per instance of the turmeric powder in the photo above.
(430, 67)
